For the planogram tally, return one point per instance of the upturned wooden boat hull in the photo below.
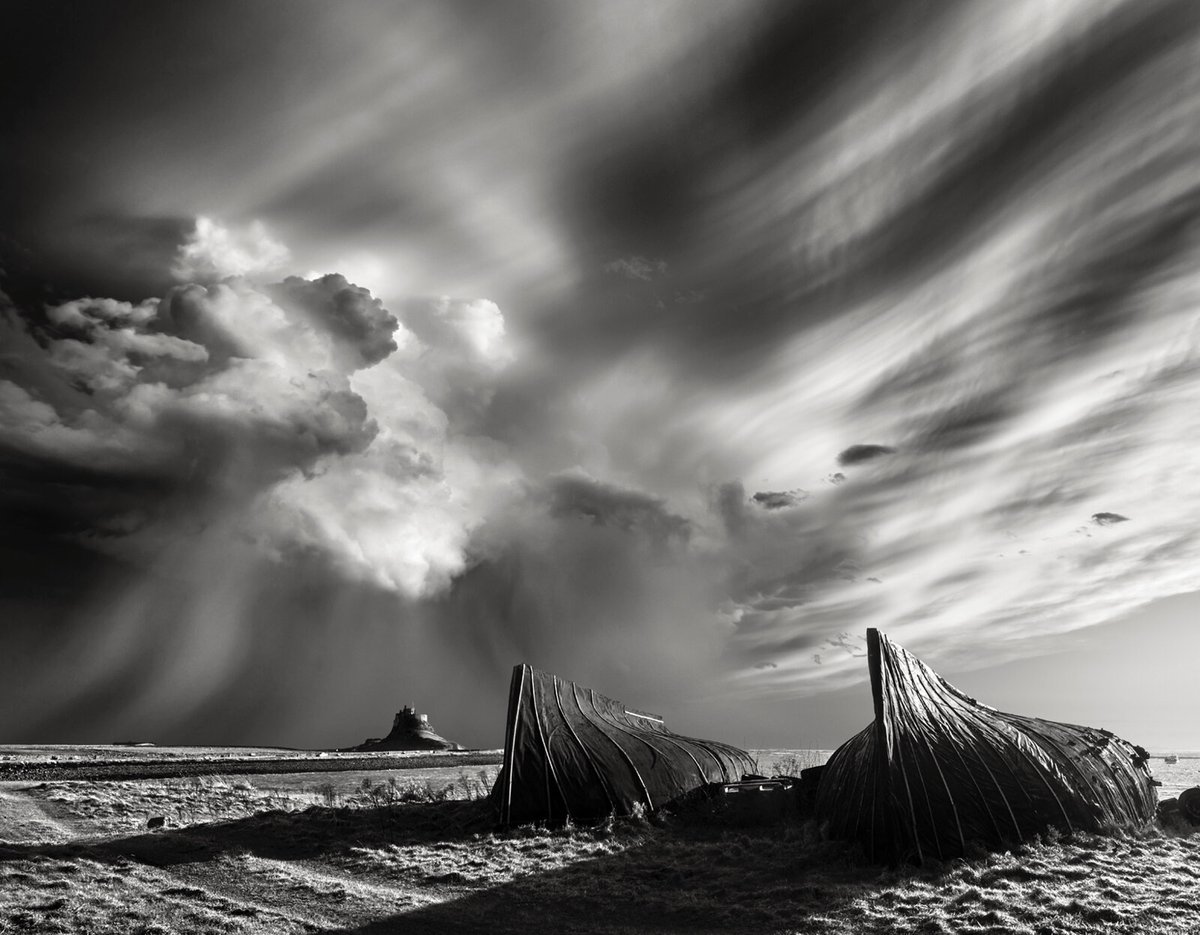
(572, 753)
(939, 775)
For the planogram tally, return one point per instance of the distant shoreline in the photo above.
(102, 762)
(122, 769)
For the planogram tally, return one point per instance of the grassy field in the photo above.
(416, 851)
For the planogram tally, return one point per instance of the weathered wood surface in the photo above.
(570, 752)
(937, 774)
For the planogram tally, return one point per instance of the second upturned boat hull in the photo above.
(937, 774)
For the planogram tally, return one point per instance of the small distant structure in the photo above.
(410, 731)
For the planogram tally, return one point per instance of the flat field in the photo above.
(415, 850)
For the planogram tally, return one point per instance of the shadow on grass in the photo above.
(687, 876)
(775, 880)
(678, 879)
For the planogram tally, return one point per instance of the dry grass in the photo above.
(111, 807)
(424, 857)
(788, 762)
(98, 808)
(77, 894)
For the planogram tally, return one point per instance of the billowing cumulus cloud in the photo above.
(258, 400)
(460, 351)
(359, 324)
(214, 251)
(236, 432)
(467, 331)
(106, 344)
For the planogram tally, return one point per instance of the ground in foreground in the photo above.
(239, 854)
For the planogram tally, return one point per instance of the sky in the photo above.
(352, 354)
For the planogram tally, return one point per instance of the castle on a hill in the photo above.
(410, 731)
(408, 719)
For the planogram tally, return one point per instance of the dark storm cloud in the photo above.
(122, 256)
(185, 311)
(114, 356)
(180, 395)
(84, 118)
(356, 318)
(119, 256)
(738, 512)
(44, 498)
(728, 501)
(593, 581)
(604, 504)
(778, 499)
(965, 422)
(175, 453)
(333, 420)
(118, 435)
(857, 454)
